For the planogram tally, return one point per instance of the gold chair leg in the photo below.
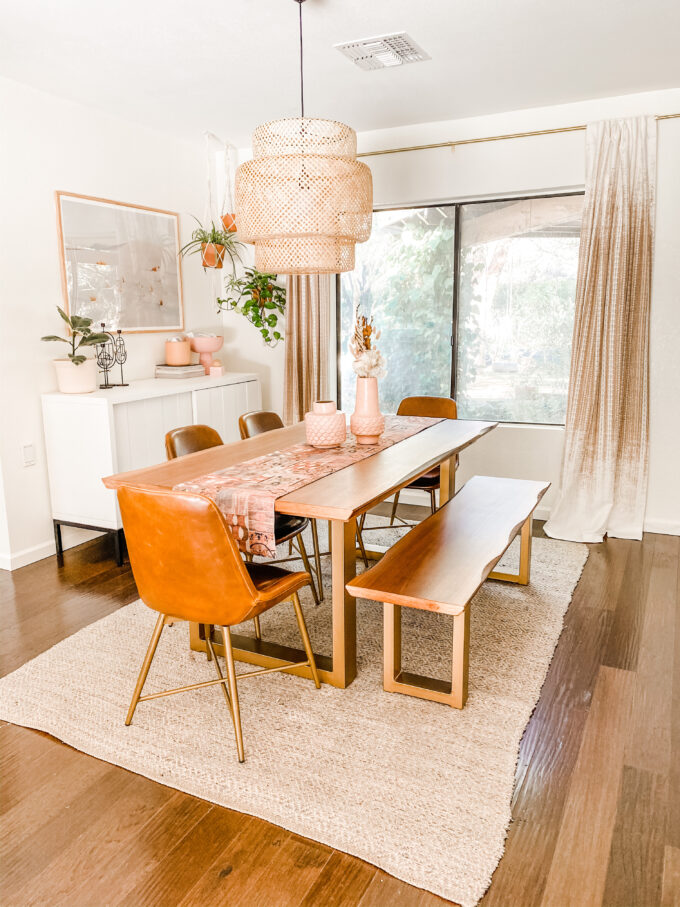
(433, 500)
(220, 675)
(317, 559)
(146, 664)
(306, 642)
(207, 629)
(258, 630)
(305, 560)
(395, 504)
(233, 693)
(362, 547)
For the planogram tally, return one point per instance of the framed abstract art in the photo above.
(120, 263)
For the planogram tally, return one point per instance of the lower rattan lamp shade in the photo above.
(304, 200)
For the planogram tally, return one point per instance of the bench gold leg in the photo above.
(522, 578)
(395, 680)
(461, 659)
(392, 643)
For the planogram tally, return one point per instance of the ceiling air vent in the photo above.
(383, 51)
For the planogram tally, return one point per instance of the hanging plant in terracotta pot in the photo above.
(228, 204)
(367, 423)
(215, 246)
(259, 298)
(229, 223)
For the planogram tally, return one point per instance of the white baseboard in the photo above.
(408, 496)
(71, 538)
(411, 496)
(27, 556)
(664, 527)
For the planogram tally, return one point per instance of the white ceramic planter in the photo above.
(76, 379)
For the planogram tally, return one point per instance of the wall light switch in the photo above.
(28, 453)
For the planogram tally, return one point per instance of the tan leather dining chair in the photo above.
(256, 423)
(436, 408)
(187, 567)
(191, 438)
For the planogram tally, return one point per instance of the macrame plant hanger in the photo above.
(215, 149)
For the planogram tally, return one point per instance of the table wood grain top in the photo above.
(339, 496)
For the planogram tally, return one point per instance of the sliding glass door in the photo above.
(474, 301)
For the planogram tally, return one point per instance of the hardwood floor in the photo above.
(596, 809)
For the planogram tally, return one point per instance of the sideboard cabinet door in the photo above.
(141, 426)
(220, 407)
(79, 452)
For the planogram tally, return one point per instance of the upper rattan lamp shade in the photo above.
(304, 200)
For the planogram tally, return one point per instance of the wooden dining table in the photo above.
(340, 498)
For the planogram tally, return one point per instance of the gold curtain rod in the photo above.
(493, 138)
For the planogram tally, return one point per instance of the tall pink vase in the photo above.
(367, 422)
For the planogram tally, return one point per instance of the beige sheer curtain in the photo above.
(308, 305)
(604, 468)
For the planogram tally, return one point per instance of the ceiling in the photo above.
(227, 66)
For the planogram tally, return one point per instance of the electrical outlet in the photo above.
(28, 454)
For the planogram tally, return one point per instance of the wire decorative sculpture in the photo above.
(109, 354)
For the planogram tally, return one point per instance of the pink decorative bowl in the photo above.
(325, 426)
(206, 345)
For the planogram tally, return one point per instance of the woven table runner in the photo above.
(246, 493)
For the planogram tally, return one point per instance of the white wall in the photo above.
(245, 351)
(540, 165)
(51, 144)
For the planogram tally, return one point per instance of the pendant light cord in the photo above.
(302, 77)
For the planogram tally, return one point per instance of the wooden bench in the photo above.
(439, 566)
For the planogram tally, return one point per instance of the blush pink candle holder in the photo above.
(325, 426)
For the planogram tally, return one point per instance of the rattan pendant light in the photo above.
(304, 200)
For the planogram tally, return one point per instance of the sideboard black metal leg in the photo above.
(118, 546)
(58, 542)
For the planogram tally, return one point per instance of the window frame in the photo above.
(457, 205)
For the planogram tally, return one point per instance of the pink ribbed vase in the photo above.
(325, 426)
(367, 422)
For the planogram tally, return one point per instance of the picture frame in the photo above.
(120, 263)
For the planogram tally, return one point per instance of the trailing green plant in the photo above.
(215, 236)
(258, 297)
(79, 327)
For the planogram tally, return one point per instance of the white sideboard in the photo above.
(89, 436)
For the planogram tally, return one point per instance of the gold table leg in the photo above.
(447, 479)
(340, 669)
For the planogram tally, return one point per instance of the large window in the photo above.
(475, 300)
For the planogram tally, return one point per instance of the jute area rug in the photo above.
(419, 789)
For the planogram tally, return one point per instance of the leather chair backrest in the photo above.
(434, 407)
(190, 438)
(256, 423)
(183, 556)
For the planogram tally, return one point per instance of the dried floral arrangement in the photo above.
(369, 362)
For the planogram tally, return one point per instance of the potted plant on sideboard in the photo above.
(77, 374)
(214, 245)
(258, 297)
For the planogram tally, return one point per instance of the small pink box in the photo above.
(216, 369)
